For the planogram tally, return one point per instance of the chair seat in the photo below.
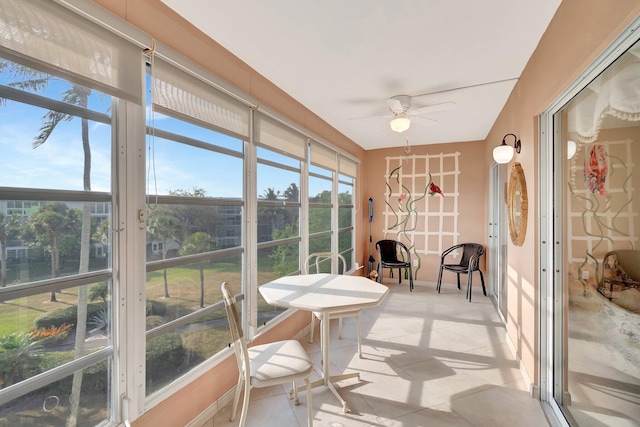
(278, 362)
(399, 264)
(456, 267)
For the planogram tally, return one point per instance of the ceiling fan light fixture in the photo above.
(400, 123)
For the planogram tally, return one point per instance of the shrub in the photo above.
(99, 291)
(19, 358)
(156, 308)
(165, 357)
(100, 321)
(68, 315)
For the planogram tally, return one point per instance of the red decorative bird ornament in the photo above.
(433, 189)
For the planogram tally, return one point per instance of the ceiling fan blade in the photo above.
(394, 105)
(423, 121)
(377, 117)
(445, 106)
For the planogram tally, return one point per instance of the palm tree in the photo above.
(49, 225)
(163, 225)
(271, 212)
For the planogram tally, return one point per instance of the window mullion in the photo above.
(250, 233)
(129, 261)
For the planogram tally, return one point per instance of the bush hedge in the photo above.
(68, 315)
(165, 356)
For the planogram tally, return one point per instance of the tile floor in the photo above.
(428, 360)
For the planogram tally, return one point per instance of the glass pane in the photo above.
(181, 168)
(345, 192)
(320, 244)
(275, 184)
(264, 154)
(345, 217)
(319, 219)
(275, 262)
(316, 170)
(597, 368)
(199, 133)
(174, 293)
(320, 190)
(40, 331)
(345, 240)
(277, 222)
(43, 239)
(186, 229)
(50, 405)
(42, 148)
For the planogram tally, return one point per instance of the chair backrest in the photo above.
(468, 251)
(316, 259)
(239, 342)
(388, 250)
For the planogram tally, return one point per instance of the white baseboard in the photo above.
(534, 390)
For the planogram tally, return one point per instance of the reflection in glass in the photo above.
(49, 405)
(597, 369)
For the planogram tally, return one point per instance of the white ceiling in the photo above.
(343, 58)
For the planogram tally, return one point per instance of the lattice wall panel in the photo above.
(428, 224)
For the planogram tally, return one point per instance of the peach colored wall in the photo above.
(472, 189)
(579, 31)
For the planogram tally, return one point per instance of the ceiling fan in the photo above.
(401, 111)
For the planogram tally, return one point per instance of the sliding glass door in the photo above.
(591, 329)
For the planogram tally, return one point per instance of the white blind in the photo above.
(275, 135)
(323, 156)
(49, 38)
(348, 167)
(177, 93)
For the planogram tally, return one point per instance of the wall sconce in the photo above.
(400, 123)
(503, 153)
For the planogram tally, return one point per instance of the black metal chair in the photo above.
(388, 251)
(469, 262)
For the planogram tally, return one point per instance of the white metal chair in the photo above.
(266, 364)
(316, 259)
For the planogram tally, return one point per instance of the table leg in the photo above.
(325, 347)
(327, 379)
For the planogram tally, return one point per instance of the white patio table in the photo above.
(326, 294)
